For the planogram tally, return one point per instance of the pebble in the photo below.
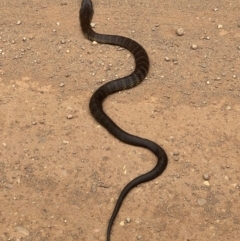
(19, 22)
(93, 25)
(65, 142)
(204, 65)
(167, 59)
(180, 32)
(201, 201)
(122, 223)
(175, 158)
(175, 153)
(69, 116)
(62, 84)
(206, 183)
(219, 26)
(206, 176)
(22, 231)
(128, 220)
(194, 46)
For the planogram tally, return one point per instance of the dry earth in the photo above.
(61, 173)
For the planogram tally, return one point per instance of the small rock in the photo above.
(19, 22)
(180, 32)
(65, 142)
(22, 231)
(175, 158)
(62, 84)
(93, 25)
(122, 223)
(206, 176)
(206, 183)
(201, 201)
(167, 59)
(69, 116)
(194, 46)
(219, 26)
(128, 220)
(175, 153)
(228, 108)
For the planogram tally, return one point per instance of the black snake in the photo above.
(96, 102)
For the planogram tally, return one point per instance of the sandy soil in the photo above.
(61, 173)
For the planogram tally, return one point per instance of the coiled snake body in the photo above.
(96, 102)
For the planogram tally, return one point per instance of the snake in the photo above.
(96, 102)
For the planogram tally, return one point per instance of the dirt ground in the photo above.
(61, 173)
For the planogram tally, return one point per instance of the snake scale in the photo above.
(96, 101)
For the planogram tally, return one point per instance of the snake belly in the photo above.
(130, 81)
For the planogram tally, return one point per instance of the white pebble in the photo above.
(180, 32)
(167, 59)
(128, 220)
(122, 223)
(194, 46)
(206, 183)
